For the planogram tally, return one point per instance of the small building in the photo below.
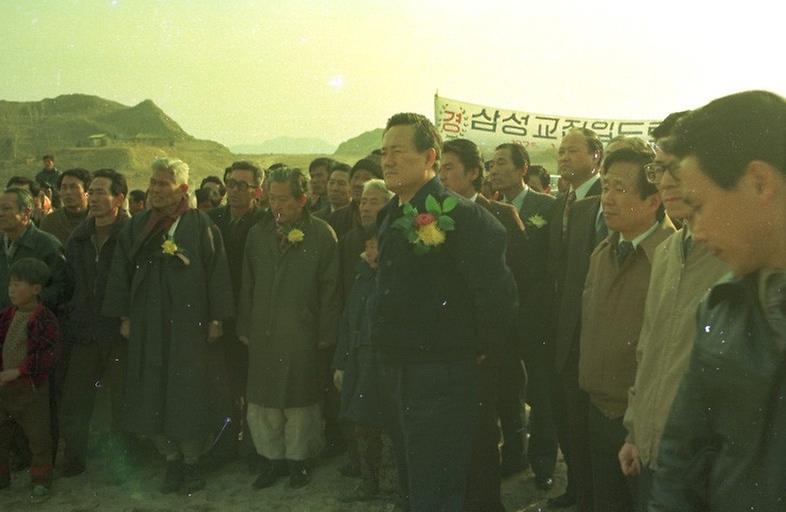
(98, 140)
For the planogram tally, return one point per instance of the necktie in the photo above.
(624, 248)
(569, 200)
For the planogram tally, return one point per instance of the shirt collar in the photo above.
(518, 201)
(474, 198)
(583, 189)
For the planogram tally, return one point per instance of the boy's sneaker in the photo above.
(173, 477)
(39, 492)
(192, 478)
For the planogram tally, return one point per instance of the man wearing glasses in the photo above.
(230, 358)
(682, 272)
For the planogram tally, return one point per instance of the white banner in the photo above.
(490, 126)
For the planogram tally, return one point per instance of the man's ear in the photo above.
(431, 158)
(302, 200)
(184, 188)
(764, 179)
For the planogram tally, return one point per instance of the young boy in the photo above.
(28, 334)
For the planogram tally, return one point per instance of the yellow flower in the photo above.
(169, 247)
(538, 221)
(431, 235)
(295, 235)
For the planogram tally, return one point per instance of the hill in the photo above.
(92, 132)
(361, 145)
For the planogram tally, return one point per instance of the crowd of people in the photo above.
(404, 310)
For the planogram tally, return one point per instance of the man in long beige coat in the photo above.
(289, 308)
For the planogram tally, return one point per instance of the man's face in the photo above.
(503, 172)
(49, 164)
(319, 179)
(286, 208)
(574, 159)
(212, 185)
(163, 192)
(338, 189)
(11, 218)
(623, 208)
(357, 180)
(73, 193)
(102, 202)
(372, 252)
(455, 177)
(135, 207)
(728, 222)
(669, 188)
(534, 183)
(403, 166)
(371, 202)
(241, 190)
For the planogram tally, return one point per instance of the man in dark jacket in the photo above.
(49, 174)
(345, 219)
(444, 300)
(72, 185)
(229, 359)
(96, 351)
(723, 445)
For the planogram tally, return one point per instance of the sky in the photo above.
(242, 72)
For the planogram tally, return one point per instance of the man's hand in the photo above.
(338, 379)
(9, 376)
(629, 460)
(125, 327)
(243, 340)
(214, 331)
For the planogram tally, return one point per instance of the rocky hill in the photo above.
(92, 132)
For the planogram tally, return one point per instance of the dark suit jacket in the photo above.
(350, 247)
(450, 304)
(580, 242)
(344, 219)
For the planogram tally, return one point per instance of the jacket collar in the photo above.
(433, 187)
(649, 244)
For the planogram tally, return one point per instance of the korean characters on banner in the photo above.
(491, 126)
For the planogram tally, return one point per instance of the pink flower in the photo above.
(424, 219)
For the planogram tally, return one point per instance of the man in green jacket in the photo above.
(723, 445)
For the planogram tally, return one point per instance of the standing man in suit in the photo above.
(443, 303)
(461, 172)
(576, 227)
(508, 170)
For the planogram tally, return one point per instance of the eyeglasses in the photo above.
(655, 171)
(241, 186)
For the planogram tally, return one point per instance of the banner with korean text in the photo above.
(540, 133)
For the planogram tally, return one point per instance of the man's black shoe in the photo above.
(299, 475)
(561, 501)
(270, 474)
(173, 478)
(544, 483)
(72, 468)
(512, 467)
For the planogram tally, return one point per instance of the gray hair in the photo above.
(24, 199)
(178, 168)
(377, 184)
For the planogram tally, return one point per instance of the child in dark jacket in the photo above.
(28, 335)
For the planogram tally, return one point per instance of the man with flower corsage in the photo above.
(288, 313)
(444, 302)
(169, 283)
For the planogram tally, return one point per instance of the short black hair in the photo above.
(426, 135)
(222, 189)
(469, 154)
(245, 165)
(518, 153)
(594, 144)
(366, 164)
(207, 194)
(24, 181)
(321, 162)
(82, 175)
(137, 195)
(118, 185)
(666, 126)
(30, 270)
(730, 132)
(640, 158)
(340, 166)
(540, 172)
(298, 183)
(48, 157)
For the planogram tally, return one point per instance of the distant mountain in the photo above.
(361, 145)
(92, 132)
(286, 145)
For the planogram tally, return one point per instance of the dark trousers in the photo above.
(484, 479)
(27, 406)
(572, 419)
(612, 491)
(510, 386)
(643, 488)
(542, 445)
(90, 366)
(335, 430)
(436, 408)
(227, 369)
